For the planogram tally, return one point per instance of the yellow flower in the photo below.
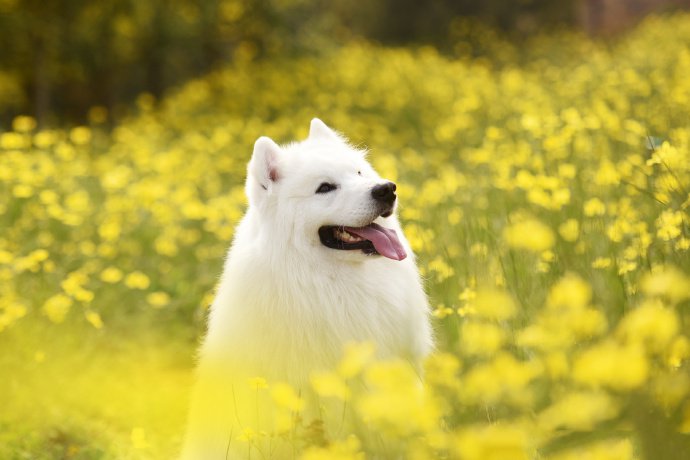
(442, 270)
(80, 135)
(10, 311)
(467, 294)
(258, 383)
(607, 174)
(110, 230)
(500, 441)
(48, 197)
(247, 435)
(5, 257)
(668, 155)
(111, 275)
(667, 282)
(45, 139)
(166, 246)
(502, 380)
(56, 307)
(670, 388)
(441, 311)
(107, 250)
(441, 369)
(23, 124)
(682, 244)
(454, 216)
(74, 282)
(10, 140)
(494, 304)
(559, 198)
(480, 338)
(39, 255)
(571, 291)
(348, 449)
(626, 266)
(22, 191)
(621, 367)
(602, 262)
(678, 351)
(567, 170)
(530, 234)
(83, 295)
(158, 299)
(615, 449)
(479, 249)
(137, 280)
(49, 266)
(580, 410)
(669, 224)
(94, 319)
(207, 300)
(556, 364)
(356, 356)
(651, 324)
(285, 396)
(396, 402)
(138, 438)
(330, 384)
(594, 207)
(569, 230)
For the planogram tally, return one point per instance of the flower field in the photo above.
(545, 190)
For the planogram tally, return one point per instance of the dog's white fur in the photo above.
(286, 304)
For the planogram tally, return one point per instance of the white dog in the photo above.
(319, 260)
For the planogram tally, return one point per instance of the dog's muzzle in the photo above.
(370, 239)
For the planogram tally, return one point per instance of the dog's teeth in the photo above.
(347, 237)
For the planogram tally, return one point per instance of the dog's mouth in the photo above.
(372, 239)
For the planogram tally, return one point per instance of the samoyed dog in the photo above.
(318, 261)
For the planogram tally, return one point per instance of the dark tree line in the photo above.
(60, 57)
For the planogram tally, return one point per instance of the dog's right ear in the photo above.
(263, 167)
(319, 130)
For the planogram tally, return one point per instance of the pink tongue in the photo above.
(385, 240)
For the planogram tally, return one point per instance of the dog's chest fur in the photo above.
(294, 314)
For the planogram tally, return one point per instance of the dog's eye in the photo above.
(326, 187)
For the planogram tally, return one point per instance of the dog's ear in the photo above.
(263, 167)
(319, 130)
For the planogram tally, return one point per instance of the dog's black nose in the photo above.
(385, 193)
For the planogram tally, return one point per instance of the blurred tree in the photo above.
(412, 21)
(61, 57)
(611, 16)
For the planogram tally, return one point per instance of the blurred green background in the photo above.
(60, 58)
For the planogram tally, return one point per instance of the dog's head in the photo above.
(322, 192)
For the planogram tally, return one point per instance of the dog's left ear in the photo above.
(319, 130)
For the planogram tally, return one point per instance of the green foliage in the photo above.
(61, 58)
